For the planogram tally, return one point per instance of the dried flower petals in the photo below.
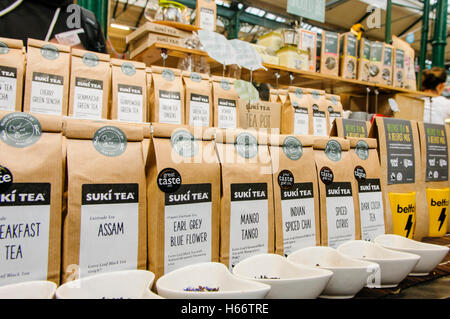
(201, 289)
(266, 277)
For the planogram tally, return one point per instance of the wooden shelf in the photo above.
(152, 55)
(329, 83)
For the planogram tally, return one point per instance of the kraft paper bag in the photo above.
(183, 189)
(321, 122)
(334, 109)
(198, 90)
(31, 187)
(296, 194)
(90, 85)
(339, 213)
(129, 91)
(247, 210)
(105, 228)
(297, 112)
(370, 195)
(47, 78)
(206, 12)
(167, 96)
(12, 71)
(226, 103)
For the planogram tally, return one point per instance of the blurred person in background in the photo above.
(59, 21)
(437, 109)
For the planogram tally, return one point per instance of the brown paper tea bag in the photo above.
(129, 91)
(12, 71)
(47, 78)
(198, 99)
(247, 211)
(321, 122)
(334, 108)
(370, 195)
(296, 113)
(90, 84)
(226, 103)
(296, 196)
(206, 12)
(167, 97)
(339, 213)
(105, 228)
(183, 204)
(31, 187)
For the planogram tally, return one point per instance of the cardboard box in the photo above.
(398, 105)
(400, 159)
(363, 60)
(410, 81)
(308, 42)
(259, 114)
(409, 108)
(348, 55)
(329, 53)
(139, 46)
(376, 62)
(350, 128)
(386, 71)
(434, 149)
(399, 68)
(206, 15)
(150, 27)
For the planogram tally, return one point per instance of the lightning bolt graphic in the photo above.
(442, 217)
(408, 225)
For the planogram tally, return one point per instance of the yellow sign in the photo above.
(403, 208)
(438, 202)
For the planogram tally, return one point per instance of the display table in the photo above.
(442, 270)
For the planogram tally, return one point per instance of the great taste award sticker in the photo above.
(169, 180)
(6, 179)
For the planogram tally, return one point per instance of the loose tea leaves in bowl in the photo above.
(201, 289)
(266, 277)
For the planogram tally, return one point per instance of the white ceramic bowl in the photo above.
(350, 275)
(394, 265)
(36, 289)
(289, 281)
(209, 274)
(125, 284)
(430, 255)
